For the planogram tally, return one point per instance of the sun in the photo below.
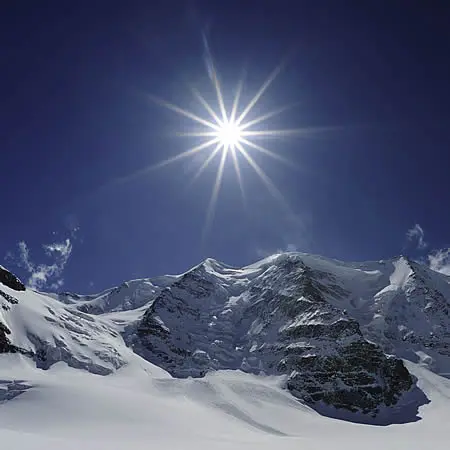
(229, 135)
(226, 132)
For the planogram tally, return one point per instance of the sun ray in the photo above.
(207, 162)
(207, 106)
(215, 194)
(277, 195)
(161, 164)
(236, 99)
(290, 132)
(184, 112)
(268, 133)
(260, 93)
(266, 151)
(185, 154)
(216, 83)
(196, 133)
(264, 117)
(238, 175)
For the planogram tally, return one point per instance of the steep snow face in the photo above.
(411, 316)
(129, 295)
(48, 331)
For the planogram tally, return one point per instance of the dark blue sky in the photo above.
(75, 117)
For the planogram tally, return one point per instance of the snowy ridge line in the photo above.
(328, 326)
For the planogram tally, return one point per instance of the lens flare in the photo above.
(229, 134)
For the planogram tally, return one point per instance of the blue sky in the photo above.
(76, 117)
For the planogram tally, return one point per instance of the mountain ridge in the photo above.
(336, 330)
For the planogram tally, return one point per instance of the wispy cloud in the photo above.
(63, 249)
(291, 248)
(416, 237)
(264, 253)
(439, 261)
(292, 233)
(43, 275)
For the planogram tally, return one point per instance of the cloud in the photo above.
(62, 249)
(440, 261)
(416, 236)
(44, 275)
(289, 232)
(264, 253)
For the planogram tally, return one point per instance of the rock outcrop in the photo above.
(10, 280)
(5, 344)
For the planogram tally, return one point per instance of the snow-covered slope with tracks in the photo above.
(64, 408)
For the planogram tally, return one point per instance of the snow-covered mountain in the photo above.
(335, 331)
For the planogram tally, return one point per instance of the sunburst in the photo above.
(226, 133)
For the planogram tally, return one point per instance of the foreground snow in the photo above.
(141, 407)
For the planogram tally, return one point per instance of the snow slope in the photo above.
(50, 331)
(133, 408)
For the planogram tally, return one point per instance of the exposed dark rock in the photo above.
(359, 378)
(10, 389)
(10, 280)
(9, 298)
(5, 343)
